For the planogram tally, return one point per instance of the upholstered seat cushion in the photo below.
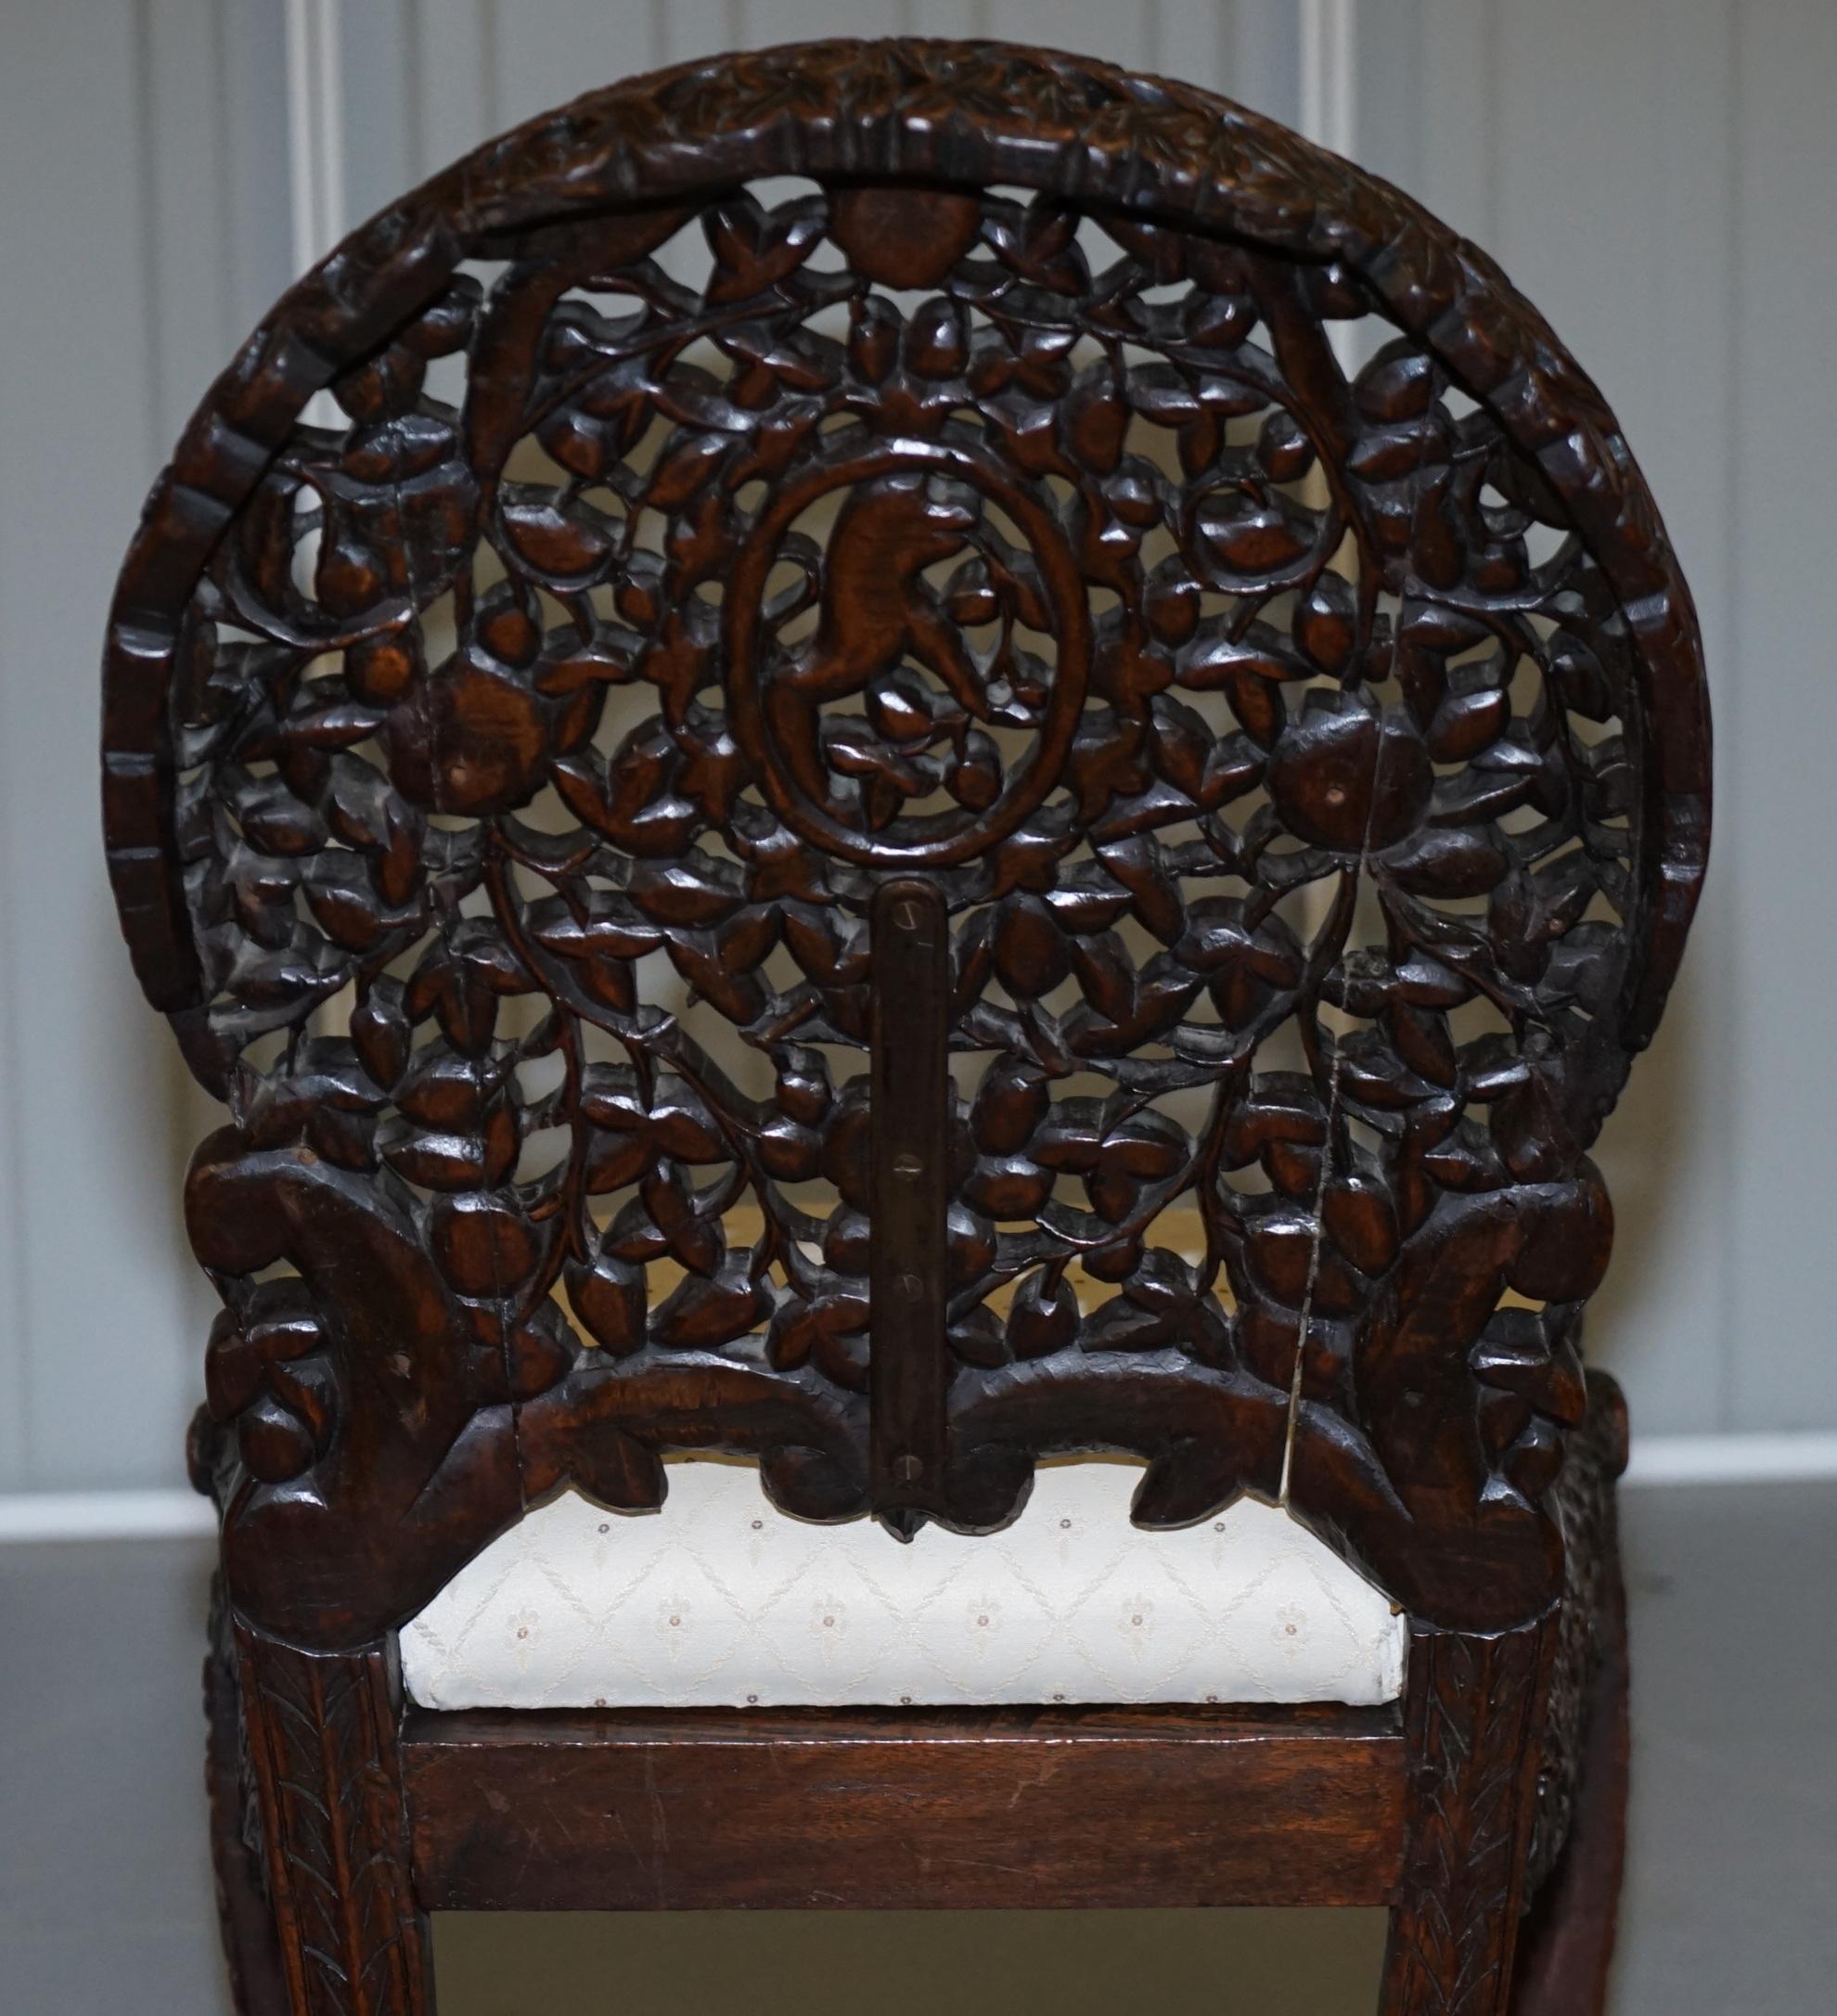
(721, 1600)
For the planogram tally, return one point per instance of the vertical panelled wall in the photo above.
(1661, 184)
(143, 227)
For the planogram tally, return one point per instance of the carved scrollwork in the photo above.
(1308, 756)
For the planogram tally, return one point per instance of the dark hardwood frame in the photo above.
(393, 1380)
(342, 1815)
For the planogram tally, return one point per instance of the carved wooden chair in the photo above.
(1023, 802)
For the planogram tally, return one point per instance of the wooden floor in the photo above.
(104, 1897)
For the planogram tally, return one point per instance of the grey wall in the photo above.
(143, 227)
(1665, 188)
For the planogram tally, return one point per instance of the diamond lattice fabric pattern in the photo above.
(721, 1599)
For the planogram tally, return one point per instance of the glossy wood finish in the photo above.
(324, 1762)
(1298, 778)
(1473, 1727)
(250, 1935)
(904, 1809)
(910, 1098)
(1221, 637)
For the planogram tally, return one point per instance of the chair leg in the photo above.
(339, 1932)
(1475, 1715)
(251, 1951)
(1567, 1942)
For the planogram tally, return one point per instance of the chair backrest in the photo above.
(1023, 795)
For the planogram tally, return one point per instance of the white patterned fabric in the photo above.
(720, 1599)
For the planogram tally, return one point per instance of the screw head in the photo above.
(908, 1165)
(909, 1470)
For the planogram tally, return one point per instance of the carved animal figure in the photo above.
(876, 606)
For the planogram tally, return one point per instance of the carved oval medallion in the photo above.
(907, 680)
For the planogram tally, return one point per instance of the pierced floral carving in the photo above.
(1275, 729)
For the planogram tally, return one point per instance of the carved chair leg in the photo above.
(1567, 1942)
(347, 1933)
(251, 1950)
(1475, 1709)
